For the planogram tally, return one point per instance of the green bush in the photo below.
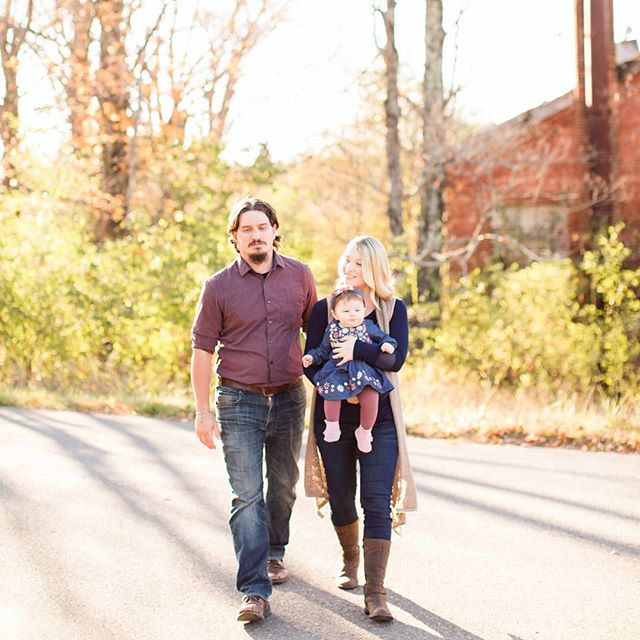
(526, 327)
(614, 309)
(40, 328)
(114, 317)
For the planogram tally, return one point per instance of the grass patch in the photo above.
(176, 406)
(438, 403)
(450, 406)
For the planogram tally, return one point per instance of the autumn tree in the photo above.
(392, 118)
(14, 27)
(113, 80)
(133, 78)
(434, 155)
(62, 35)
(197, 61)
(64, 43)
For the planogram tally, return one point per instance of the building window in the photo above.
(542, 229)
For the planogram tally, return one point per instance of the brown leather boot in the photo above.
(376, 555)
(348, 536)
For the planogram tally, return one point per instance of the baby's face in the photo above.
(349, 313)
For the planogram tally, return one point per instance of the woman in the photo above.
(387, 489)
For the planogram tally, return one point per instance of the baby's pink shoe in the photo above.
(364, 438)
(332, 432)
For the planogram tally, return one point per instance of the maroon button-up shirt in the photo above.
(255, 320)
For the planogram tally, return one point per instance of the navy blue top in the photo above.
(370, 353)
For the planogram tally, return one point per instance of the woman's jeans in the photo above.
(254, 426)
(377, 471)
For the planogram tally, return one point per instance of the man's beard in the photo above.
(261, 255)
(258, 258)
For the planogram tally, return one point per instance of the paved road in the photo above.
(116, 528)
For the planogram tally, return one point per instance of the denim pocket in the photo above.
(226, 397)
(299, 394)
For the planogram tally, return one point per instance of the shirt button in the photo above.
(268, 301)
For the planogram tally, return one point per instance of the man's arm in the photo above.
(205, 334)
(205, 424)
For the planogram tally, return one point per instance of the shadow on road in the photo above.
(142, 504)
(326, 610)
(446, 630)
(493, 463)
(528, 494)
(599, 541)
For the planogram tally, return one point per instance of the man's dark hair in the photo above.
(252, 204)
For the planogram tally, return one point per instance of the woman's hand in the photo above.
(343, 351)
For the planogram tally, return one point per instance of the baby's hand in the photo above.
(387, 347)
(307, 360)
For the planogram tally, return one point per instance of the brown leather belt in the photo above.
(257, 388)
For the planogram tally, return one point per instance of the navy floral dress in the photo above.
(339, 382)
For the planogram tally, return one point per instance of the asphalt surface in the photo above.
(116, 528)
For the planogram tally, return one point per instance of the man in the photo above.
(253, 311)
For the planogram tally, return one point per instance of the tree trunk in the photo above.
(113, 96)
(433, 176)
(220, 120)
(79, 86)
(392, 114)
(9, 122)
(12, 37)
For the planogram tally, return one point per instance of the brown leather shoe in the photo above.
(277, 571)
(253, 608)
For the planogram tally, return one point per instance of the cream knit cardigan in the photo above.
(403, 497)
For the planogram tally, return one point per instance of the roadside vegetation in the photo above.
(543, 354)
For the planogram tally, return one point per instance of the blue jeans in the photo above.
(255, 427)
(377, 471)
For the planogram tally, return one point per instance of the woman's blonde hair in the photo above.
(376, 271)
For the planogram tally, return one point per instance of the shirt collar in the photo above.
(244, 267)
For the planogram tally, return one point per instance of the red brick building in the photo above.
(554, 175)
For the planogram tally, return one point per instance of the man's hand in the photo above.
(343, 351)
(387, 347)
(307, 361)
(207, 429)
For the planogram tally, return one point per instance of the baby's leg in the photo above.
(332, 410)
(332, 415)
(369, 399)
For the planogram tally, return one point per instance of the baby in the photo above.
(337, 382)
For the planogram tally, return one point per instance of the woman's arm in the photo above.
(379, 336)
(315, 332)
(399, 330)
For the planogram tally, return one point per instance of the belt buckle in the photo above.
(264, 391)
